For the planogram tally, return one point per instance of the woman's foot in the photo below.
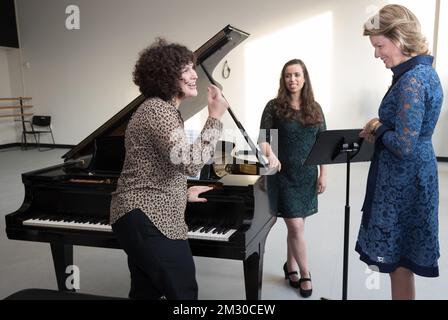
(305, 286)
(292, 276)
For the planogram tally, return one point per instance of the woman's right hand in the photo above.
(274, 163)
(194, 192)
(368, 132)
(217, 105)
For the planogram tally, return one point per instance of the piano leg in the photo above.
(253, 276)
(62, 257)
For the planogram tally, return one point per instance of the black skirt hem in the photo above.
(430, 272)
(298, 215)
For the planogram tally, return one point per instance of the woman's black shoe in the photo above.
(292, 283)
(305, 292)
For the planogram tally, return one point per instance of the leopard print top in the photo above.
(158, 160)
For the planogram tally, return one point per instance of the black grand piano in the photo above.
(68, 204)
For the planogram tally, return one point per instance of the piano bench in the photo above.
(47, 294)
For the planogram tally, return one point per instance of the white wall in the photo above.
(10, 86)
(7, 125)
(440, 141)
(5, 87)
(83, 77)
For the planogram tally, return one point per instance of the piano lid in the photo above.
(208, 56)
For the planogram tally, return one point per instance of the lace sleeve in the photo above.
(323, 124)
(267, 123)
(408, 119)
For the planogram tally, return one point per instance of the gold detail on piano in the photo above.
(96, 181)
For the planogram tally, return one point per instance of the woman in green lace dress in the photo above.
(297, 118)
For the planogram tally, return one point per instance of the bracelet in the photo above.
(375, 126)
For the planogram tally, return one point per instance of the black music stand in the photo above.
(341, 146)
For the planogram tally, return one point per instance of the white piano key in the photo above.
(68, 225)
(107, 228)
(210, 235)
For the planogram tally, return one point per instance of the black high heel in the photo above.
(306, 293)
(292, 283)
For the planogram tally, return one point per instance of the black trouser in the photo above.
(159, 266)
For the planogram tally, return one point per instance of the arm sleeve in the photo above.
(267, 123)
(402, 139)
(323, 124)
(171, 142)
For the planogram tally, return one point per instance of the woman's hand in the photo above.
(274, 163)
(194, 192)
(368, 132)
(217, 105)
(321, 184)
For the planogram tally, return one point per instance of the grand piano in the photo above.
(68, 204)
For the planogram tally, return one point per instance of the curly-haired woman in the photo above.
(147, 208)
(294, 188)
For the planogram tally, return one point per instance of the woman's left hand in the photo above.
(194, 192)
(321, 184)
(368, 132)
(217, 104)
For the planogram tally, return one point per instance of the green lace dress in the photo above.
(292, 191)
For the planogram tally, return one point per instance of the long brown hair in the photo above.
(311, 113)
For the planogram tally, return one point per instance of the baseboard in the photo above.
(9, 145)
(34, 145)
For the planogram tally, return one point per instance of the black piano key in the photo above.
(104, 222)
(219, 229)
(195, 228)
(92, 220)
(39, 216)
(207, 229)
(200, 230)
(68, 218)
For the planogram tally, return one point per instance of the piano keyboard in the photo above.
(210, 233)
(201, 233)
(64, 224)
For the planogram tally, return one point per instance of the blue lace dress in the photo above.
(292, 191)
(400, 213)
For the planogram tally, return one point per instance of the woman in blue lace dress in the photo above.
(293, 190)
(399, 229)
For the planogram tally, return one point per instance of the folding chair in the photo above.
(37, 126)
